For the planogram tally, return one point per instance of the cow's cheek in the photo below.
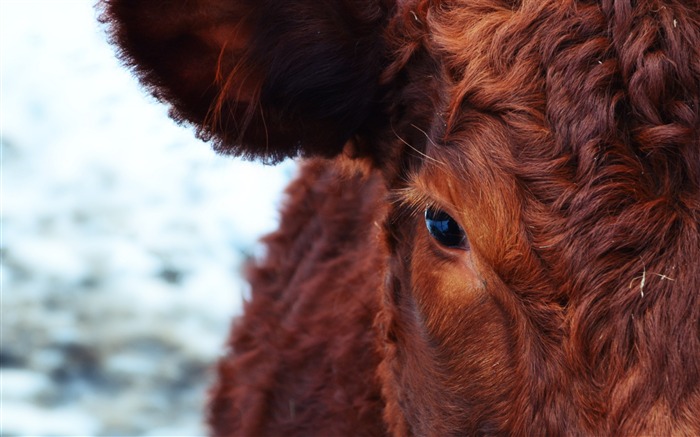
(463, 335)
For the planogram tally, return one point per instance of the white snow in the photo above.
(122, 238)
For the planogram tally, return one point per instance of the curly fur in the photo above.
(562, 135)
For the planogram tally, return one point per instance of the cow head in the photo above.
(543, 160)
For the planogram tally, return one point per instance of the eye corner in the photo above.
(444, 229)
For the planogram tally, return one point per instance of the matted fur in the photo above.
(562, 135)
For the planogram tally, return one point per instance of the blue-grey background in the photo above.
(122, 238)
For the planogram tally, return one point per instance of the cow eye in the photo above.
(444, 229)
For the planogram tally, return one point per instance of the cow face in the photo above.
(536, 250)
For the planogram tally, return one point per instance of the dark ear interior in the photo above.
(263, 79)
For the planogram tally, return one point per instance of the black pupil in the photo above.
(444, 228)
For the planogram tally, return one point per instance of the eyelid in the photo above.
(417, 200)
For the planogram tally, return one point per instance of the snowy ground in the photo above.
(122, 238)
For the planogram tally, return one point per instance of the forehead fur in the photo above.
(593, 109)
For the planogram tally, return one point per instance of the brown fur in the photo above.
(562, 135)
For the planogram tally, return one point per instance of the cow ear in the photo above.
(265, 79)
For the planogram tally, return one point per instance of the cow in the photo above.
(495, 229)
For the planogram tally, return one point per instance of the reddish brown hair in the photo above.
(561, 137)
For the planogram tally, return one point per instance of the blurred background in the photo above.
(122, 238)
